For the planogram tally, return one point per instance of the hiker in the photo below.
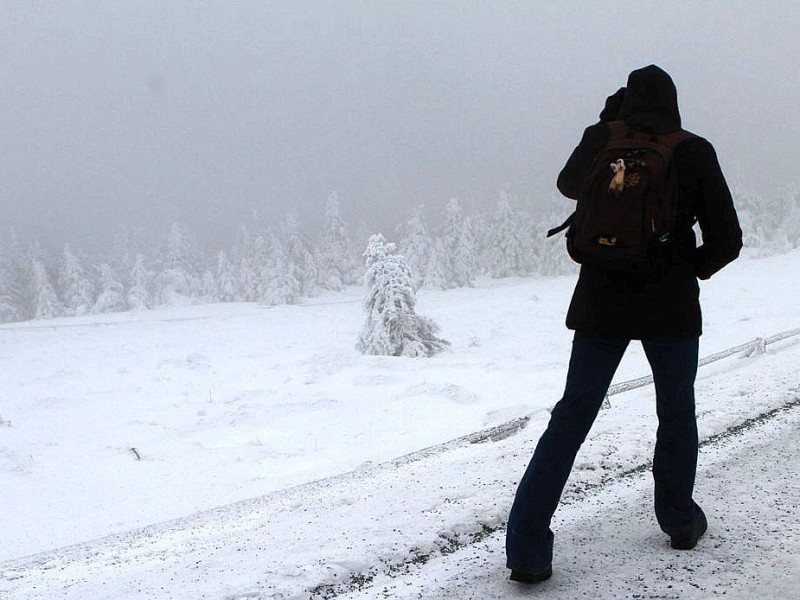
(611, 307)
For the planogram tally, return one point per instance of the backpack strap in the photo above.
(671, 140)
(562, 227)
(617, 129)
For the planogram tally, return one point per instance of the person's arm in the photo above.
(716, 214)
(580, 161)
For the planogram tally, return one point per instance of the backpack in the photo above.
(627, 208)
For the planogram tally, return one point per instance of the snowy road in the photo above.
(609, 546)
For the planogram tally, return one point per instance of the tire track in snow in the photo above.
(572, 496)
(608, 545)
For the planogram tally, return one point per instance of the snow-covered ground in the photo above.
(196, 447)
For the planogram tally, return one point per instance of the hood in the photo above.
(651, 101)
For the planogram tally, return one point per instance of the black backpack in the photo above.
(627, 208)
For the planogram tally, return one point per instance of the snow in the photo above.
(236, 450)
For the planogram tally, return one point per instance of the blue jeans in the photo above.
(529, 539)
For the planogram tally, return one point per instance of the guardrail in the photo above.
(752, 348)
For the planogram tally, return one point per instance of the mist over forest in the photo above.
(151, 130)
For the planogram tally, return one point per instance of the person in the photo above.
(609, 309)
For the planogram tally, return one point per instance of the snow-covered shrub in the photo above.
(112, 296)
(45, 302)
(415, 244)
(392, 327)
(75, 284)
(459, 245)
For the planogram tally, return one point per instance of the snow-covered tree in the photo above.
(481, 234)
(44, 301)
(392, 327)
(112, 292)
(252, 264)
(301, 255)
(224, 279)
(415, 244)
(507, 255)
(13, 282)
(278, 281)
(9, 307)
(179, 277)
(334, 252)
(436, 268)
(281, 286)
(459, 246)
(75, 285)
(138, 296)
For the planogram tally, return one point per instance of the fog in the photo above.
(139, 114)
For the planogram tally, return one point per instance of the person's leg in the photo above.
(529, 540)
(674, 365)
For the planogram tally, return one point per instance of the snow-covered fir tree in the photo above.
(208, 287)
(224, 279)
(13, 281)
(459, 246)
(252, 266)
(392, 327)
(179, 278)
(334, 251)
(112, 292)
(278, 281)
(75, 285)
(507, 255)
(481, 234)
(436, 268)
(44, 301)
(415, 244)
(281, 286)
(300, 254)
(138, 296)
(9, 308)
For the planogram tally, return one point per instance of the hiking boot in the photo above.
(532, 576)
(688, 539)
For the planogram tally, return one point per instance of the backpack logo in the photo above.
(632, 180)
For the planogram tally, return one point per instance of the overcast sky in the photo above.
(143, 113)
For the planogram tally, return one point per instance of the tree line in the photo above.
(281, 264)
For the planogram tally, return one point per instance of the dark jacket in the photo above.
(667, 305)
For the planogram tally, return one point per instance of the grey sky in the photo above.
(143, 113)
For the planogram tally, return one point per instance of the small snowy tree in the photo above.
(459, 246)
(224, 279)
(300, 254)
(436, 268)
(179, 278)
(279, 282)
(333, 255)
(111, 298)
(138, 296)
(45, 303)
(392, 327)
(76, 288)
(506, 254)
(13, 282)
(253, 262)
(415, 244)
